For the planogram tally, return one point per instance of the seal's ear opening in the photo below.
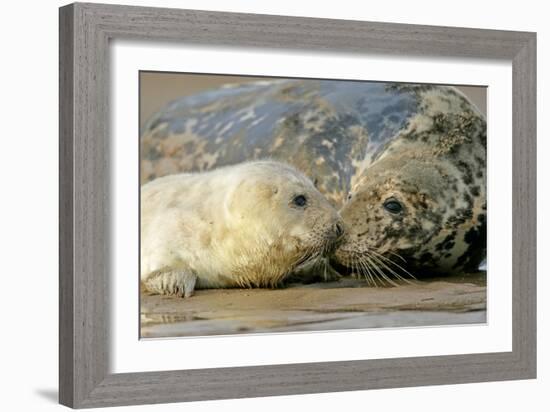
(266, 190)
(252, 196)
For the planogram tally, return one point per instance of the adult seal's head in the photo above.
(420, 204)
(247, 225)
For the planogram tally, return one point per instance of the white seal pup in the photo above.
(247, 225)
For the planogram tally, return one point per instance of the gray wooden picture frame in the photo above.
(85, 32)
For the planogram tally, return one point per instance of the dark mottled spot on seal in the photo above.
(447, 243)
(390, 231)
(480, 161)
(435, 217)
(441, 123)
(468, 199)
(459, 218)
(293, 121)
(467, 176)
(153, 153)
(414, 231)
(476, 238)
(426, 257)
(475, 191)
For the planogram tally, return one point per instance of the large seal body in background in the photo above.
(247, 225)
(405, 162)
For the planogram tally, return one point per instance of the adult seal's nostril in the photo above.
(339, 230)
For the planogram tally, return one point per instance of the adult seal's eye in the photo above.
(299, 201)
(393, 206)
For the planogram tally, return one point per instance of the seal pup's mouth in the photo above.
(333, 239)
(314, 265)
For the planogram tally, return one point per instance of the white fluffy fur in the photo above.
(234, 226)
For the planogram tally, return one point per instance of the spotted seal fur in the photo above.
(420, 201)
(364, 144)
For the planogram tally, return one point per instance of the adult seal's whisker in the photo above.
(389, 261)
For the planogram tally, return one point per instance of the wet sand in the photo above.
(344, 304)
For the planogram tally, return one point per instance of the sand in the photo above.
(339, 305)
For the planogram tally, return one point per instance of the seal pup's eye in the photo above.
(393, 206)
(299, 201)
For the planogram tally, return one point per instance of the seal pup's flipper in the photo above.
(175, 282)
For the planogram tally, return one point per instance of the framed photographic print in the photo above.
(413, 204)
(257, 205)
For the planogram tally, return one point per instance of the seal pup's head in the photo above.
(278, 221)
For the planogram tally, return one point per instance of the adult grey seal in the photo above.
(412, 157)
(420, 201)
(247, 225)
